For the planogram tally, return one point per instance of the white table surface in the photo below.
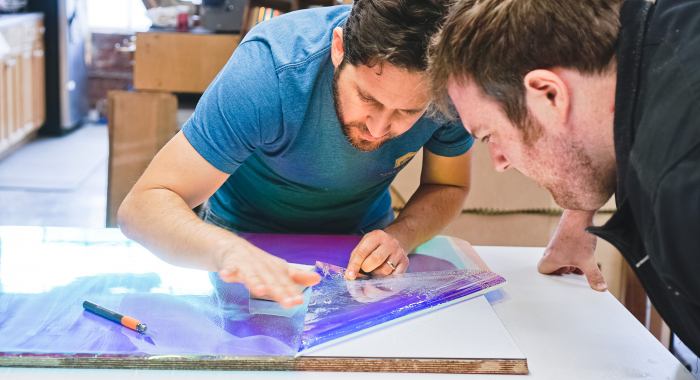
(565, 329)
(468, 329)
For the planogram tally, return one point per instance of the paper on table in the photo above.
(339, 308)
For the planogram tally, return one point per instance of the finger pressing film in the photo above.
(378, 258)
(358, 256)
(301, 276)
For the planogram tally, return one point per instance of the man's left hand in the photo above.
(376, 254)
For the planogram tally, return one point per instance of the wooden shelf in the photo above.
(22, 85)
(280, 5)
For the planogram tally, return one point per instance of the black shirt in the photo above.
(657, 147)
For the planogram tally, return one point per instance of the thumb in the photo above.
(303, 278)
(594, 277)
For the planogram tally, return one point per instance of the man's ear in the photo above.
(337, 52)
(547, 97)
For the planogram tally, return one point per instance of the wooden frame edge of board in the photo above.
(276, 363)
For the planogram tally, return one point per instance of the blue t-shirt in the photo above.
(268, 120)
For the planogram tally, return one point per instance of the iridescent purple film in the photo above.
(47, 273)
(219, 324)
(338, 307)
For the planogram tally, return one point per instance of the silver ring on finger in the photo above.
(393, 267)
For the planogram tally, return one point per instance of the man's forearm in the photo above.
(429, 211)
(161, 221)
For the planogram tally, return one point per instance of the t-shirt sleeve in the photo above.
(450, 140)
(240, 110)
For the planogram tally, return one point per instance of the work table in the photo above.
(565, 329)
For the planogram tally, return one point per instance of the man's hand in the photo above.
(264, 274)
(572, 249)
(444, 185)
(373, 254)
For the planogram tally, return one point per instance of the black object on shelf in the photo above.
(223, 15)
(66, 70)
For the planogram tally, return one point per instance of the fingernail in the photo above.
(601, 285)
(288, 302)
(351, 275)
(225, 272)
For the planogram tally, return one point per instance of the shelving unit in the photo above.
(22, 85)
(283, 6)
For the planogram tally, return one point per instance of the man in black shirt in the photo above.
(591, 98)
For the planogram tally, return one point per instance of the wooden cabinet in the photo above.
(38, 84)
(27, 85)
(22, 85)
(11, 89)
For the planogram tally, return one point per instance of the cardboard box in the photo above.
(180, 62)
(490, 191)
(140, 124)
(508, 209)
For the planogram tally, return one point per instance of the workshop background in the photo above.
(90, 90)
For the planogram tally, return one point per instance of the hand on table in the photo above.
(264, 274)
(572, 251)
(373, 254)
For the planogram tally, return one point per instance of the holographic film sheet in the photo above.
(339, 308)
(46, 274)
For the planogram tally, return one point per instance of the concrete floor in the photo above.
(82, 206)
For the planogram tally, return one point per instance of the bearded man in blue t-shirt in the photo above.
(302, 132)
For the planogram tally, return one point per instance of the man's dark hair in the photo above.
(393, 31)
(495, 43)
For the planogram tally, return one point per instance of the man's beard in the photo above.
(574, 178)
(358, 127)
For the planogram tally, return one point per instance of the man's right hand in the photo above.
(572, 249)
(264, 274)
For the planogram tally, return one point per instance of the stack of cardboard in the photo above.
(140, 124)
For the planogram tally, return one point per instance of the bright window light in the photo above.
(117, 16)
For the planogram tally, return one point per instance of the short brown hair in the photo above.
(495, 43)
(393, 31)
